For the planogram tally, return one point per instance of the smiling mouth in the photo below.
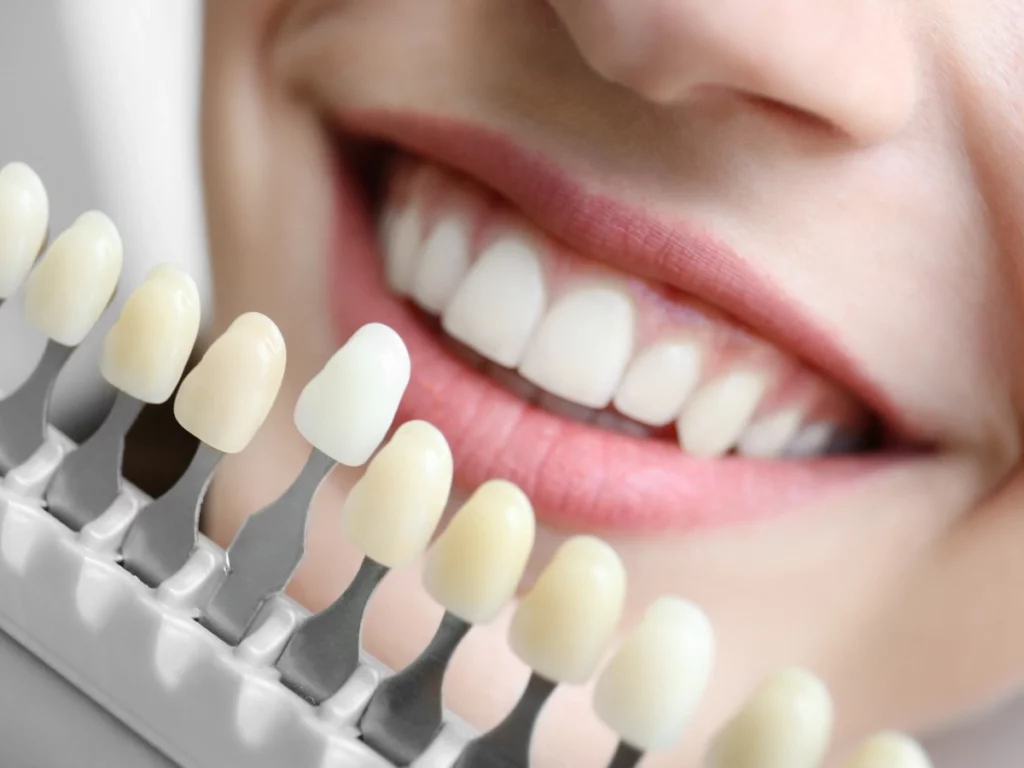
(569, 372)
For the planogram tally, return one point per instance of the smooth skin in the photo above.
(866, 155)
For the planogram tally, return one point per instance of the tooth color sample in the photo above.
(347, 409)
(24, 216)
(226, 397)
(769, 436)
(68, 291)
(659, 381)
(653, 684)
(443, 263)
(401, 237)
(148, 347)
(475, 565)
(563, 625)
(498, 305)
(582, 346)
(392, 511)
(718, 412)
(786, 723)
(888, 750)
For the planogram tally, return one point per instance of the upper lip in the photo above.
(677, 254)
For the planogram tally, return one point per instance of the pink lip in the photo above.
(582, 477)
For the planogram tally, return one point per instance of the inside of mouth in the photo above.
(858, 431)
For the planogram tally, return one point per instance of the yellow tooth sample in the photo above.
(563, 625)
(392, 511)
(888, 750)
(226, 397)
(24, 215)
(476, 564)
(786, 723)
(148, 347)
(347, 409)
(652, 686)
(68, 291)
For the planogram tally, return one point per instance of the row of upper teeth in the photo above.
(580, 347)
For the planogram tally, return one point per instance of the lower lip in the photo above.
(579, 477)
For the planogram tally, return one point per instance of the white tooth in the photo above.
(148, 347)
(24, 215)
(474, 567)
(659, 381)
(392, 511)
(786, 723)
(346, 409)
(226, 397)
(717, 414)
(812, 440)
(400, 236)
(563, 625)
(652, 686)
(68, 291)
(443, 263)
(769, 436)
(496, 308)
(889, 750)
(583, 345)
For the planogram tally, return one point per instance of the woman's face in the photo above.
(653, 260)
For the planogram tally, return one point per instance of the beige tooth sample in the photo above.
(786, 723)
(659, 381)
(148, 347)
(769, 435)
(652, 686)
(24, 216)
(443, 263)
(582, 346)
(888, 750)
(475, 565)
(497, 306)
(68, 291)
(562, 626)
(346, 410)
(715, 417)
(225, 398)
(392, 511)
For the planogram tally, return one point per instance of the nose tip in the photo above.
(847, 63)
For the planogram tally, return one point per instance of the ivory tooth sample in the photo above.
(24, 217)
(144, 355)
(561, 629)
(652, 686)
(472, 570)
(390, 515)
(344, 412)
(786, 723)
(222, 401)
(64, 298)
(888, 750)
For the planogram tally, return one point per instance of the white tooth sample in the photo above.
(443, 263)
(563, 625)
(812, 440)
(392, 511)
(346, 409)
(24, 216)
(582, 346)
(655, 681)
(475, 565)
(786, 723)
(659, 381)
(68, 291)
(888, 750)
(148, 347)
(715, 417)
(226, 397)
(499, 303)
(401, 231)
(768, 436)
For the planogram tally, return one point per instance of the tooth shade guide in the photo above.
(24, 217)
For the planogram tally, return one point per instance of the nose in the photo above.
(848, 63)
